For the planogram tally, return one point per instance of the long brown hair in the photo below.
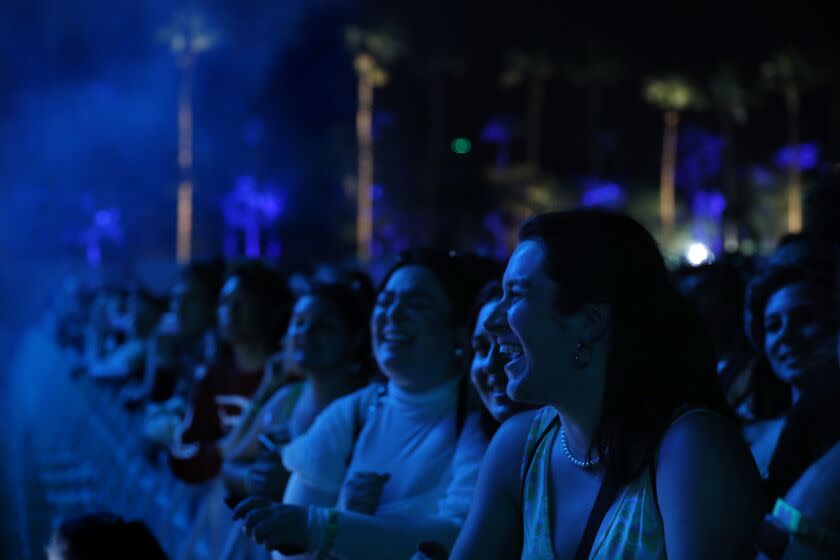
(660, 360)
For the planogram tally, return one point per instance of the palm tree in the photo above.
(789, 73)
(672, 95)
(372, 51)
(534, 68)
(594, 74)
(187, 36)
(730, 99)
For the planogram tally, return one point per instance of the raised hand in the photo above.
(276, 526)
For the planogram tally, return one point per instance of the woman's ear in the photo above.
(595, 322)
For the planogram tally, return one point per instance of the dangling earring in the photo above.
(583, 355)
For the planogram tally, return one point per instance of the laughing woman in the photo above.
(634, 454)
(411, 439)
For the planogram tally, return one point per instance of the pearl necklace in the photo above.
(580, 463)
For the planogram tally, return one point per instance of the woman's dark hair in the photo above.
(353, 294)
(461, 274)
(798, 259)
(104, 536)
(660, 359)
(270, 290)
(208, 277)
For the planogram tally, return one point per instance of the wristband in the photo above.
(322, 527)
(792, 520)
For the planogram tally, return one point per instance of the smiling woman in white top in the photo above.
(413, 431)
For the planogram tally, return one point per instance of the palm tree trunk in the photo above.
(364, 138)
(794, 171)
(185, 162)
(535, 104)
(667, 194)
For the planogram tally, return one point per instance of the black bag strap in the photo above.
(606, 496)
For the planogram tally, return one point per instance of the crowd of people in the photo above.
(582, 401)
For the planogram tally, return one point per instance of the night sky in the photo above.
(87, 104)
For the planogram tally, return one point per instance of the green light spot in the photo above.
(461, 146)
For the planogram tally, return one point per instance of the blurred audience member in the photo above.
(103, 536)
(252, 313)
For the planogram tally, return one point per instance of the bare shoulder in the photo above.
(708, 488)
(816, 491)
(493, 526)
(703, 432)
(503, 460)
(514, 431)
(705, 447)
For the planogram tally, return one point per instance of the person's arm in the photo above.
(709, 490)
(301, 494)
(493, 529)
(291, 529)
(469, 453)
(817, 495)
(159, 375)
(243, 445)
(318, 458)
(386, 537)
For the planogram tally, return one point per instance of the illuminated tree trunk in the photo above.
(185, 161)
(364, 138)
(667, 194)
(794, 171)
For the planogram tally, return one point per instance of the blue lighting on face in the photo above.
(602, 194)
(806, 154)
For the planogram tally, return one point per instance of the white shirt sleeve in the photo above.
(465, 465)
(319, 457)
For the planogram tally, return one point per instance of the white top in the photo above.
(410, 436)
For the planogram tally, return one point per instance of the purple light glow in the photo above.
(500, 130)
(105, 225)
(602, 194)
(699, 159)
(708, 205)
(707, 209)
(762, 176)
(250, 208)
(381, 121)
(496, 225)
(807, 155)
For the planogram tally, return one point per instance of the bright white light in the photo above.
(698, 254)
